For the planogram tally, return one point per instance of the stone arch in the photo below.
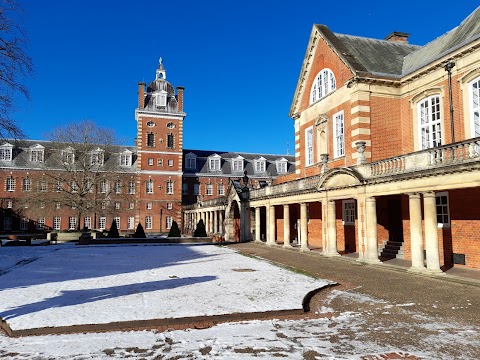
(232, 221)
(338, 178)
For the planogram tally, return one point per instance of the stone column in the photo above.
(416, 241)
(361, 227)
(215, 221)
(431, 235)
(371, 255)
(210, 220)
(331, 229)
(303, 228)
(270, 225)
(257, 224)
(286, 226)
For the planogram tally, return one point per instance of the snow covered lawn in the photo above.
(66, 285)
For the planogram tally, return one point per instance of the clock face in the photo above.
(150, 124)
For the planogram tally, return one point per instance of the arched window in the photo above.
(474, 94)
(323, 84)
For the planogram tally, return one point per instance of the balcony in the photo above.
(444, 157)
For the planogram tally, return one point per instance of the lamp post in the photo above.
(448, 68)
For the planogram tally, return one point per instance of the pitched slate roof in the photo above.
(226, 163)
(466, 32)
(21, 156)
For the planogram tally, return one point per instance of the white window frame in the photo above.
(26, 184)
(170, 162)
(37, 153)
(131, 222)
(131, 206)
(168, 222)
(10, 184)
(348, 212)
(443, 209)
(149, 186)
(102, 222)
(430, 133)
(214, 163)
(131, 187)
(169, 206)
(97, 157)
(68, 155)
(169, 187)
(42, 185)
(260, 165)
(72, 222)
(150, 161)
(87, 222)
(6, 151)
(238, 164)
(126, 158)
(221, 189)
(149, 206)
(474, 102)
(148, 223)
(103, 186)
(117, 205)
(117, 220)
(9, 203)
(118, 187)
(339, 134)
(323, 84)
(209, 189)
(309, 146)
(281, 166)
(57, 223)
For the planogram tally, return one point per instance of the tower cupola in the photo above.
(161, 73)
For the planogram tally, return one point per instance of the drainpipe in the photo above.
(448, 68)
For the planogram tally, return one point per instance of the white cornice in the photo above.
(160, 172)
(160, 152)
(151, 114)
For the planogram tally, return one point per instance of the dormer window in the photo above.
(214, 162)
(237, 164)
(36, 153)
(126, 158)
(260, 164)
(281, 165)
(323, 84)
(68, 155)
(161, 99)
(190, 161)
(97, 157)
(6, 151)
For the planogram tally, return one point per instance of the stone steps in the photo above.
(391, 249)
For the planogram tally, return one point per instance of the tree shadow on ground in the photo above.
(74, 263)
(84, 296)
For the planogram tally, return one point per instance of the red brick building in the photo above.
(387, 152)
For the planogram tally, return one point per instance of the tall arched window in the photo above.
(430, 122)
(474, 93)
(323, 84)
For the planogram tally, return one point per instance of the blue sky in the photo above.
(239, 61)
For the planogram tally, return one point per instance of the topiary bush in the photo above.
(200, 230)
(139, 233)
(113, 232)
(174, 230)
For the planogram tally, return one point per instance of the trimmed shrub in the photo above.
(113, 232)
(139, 233)
(200, 230)
(174, 230)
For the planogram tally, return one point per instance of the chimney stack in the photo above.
(180, 98)
(141, 95)
(397, 36)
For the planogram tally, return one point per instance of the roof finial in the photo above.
(160, 60)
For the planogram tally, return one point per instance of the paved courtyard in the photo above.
(374, 313)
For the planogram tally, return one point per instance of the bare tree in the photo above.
(15, 65)
(84, 174)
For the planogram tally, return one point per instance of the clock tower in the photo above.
(159, 117)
